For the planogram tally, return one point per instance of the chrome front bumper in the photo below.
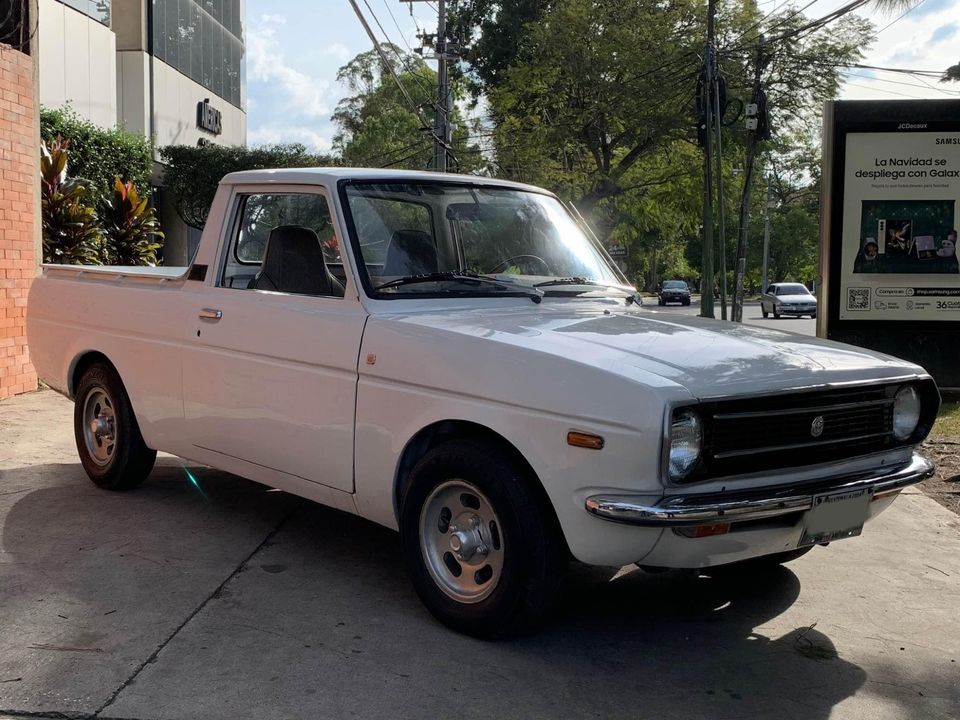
(755, 504)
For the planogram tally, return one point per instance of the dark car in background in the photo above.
(673, 291)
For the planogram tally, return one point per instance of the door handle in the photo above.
(210, 314)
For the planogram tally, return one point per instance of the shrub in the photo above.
(193, 173)
(130, 226)
(71, 235)
(97, 154)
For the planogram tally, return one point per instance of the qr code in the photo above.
(858, 298)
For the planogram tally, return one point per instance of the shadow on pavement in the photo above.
(321, 621)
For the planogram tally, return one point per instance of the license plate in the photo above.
(835, 516)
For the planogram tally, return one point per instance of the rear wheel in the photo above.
(483, 552)
(108, 438)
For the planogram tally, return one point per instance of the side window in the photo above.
(284, 242)
(772, 290)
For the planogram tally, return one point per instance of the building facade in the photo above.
(171, 70)
(19, 196)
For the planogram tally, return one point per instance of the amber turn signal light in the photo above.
(585, 440)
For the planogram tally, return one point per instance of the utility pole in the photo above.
(757, 130)
(718, 118)
(443, 112)
(444, 97)
(706, 264)
(766, 239)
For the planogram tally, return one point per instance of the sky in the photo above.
(295, 47)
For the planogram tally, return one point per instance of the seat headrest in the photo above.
(293, 262)
(411, 252)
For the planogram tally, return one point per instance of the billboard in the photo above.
(900, 201)
(890, 277)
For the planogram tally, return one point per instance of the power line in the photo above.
(396, 78)
(393, 47)
(925, 86)
(901, 17)
(891, 92)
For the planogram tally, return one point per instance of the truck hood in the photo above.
(710, 358)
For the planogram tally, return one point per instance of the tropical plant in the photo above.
(71, 235)
(131, 226)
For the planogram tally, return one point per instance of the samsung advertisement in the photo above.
(890, 210)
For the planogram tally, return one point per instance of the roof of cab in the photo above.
(331, 175)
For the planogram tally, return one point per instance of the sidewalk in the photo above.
(221, 599)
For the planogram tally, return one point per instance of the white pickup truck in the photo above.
(455, 357)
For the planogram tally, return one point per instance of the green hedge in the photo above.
(193, 172)
(97, 154)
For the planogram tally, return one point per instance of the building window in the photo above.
(203, 39)
(99, 10)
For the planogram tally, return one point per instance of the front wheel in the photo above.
(482, 549)
(108, 438)
(776, 313)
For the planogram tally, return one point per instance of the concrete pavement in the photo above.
(221, 599)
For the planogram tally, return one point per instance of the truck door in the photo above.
(270, 364)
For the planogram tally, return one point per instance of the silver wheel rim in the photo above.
(99, 426)
(461, 540)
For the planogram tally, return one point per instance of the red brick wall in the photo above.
(18, 175)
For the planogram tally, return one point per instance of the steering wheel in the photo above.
(503, 265)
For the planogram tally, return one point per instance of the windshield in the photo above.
(413, 229)
(674, 285)
(793, 289)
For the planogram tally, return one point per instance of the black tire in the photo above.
(813, 317)
(130, 461)
(686, 302)
(533, 556)
(764, 563)
(776, 313)
(660, 302)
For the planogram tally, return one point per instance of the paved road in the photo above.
(751, 316)
(221, 599)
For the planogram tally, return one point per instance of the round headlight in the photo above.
(906, 412)
(686, 437)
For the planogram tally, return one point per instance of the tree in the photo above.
(585, 98)
(797, 72)
(377, 127)
(194, 172)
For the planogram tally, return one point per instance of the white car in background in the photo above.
(788, 299)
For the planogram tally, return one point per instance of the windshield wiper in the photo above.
(632, 297)
(466, 277)
(571, 281)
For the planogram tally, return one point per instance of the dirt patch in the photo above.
(944, 487)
